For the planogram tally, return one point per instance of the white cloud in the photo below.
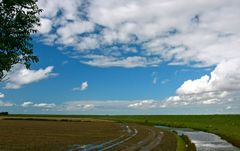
(2, 95)
(45, 27)
(78, 106)
(67, 34)
(45, 105)
(121, 33)
(20, 76)
(144, 104)
(197, 33)
(88, 106)
(82, 87)
(225, 77)
(206, 98)
(178, 104)
(228, 108)
(195, 86)
(175, 104)
(6, 104)
(129, 62)
(39, 105)
(27, 104)
(51, 8)
(210, 101)
(222, 86)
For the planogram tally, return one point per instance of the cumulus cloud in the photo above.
(6, 104)
(2, 95)
(222, 86)
(45, 27)
(181, 32)
(220, 89)
(20, 76)
(225, 77)
(82, 87)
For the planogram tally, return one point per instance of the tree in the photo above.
(3, 113)
(18, 20)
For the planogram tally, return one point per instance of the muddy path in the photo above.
(135, 137)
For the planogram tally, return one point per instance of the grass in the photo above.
(180, 143)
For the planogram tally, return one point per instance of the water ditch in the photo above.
(204, 141)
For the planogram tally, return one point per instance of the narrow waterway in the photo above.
(204, 141)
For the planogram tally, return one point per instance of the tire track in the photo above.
(131, 132)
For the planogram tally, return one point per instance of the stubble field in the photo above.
(60, 134)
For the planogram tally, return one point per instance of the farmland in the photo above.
(21, 133)
(53, 135)
(226, 126)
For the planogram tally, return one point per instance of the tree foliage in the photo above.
(18, 19)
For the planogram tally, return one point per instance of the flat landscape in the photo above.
(56, 134)
(59, 132)
(226, 126)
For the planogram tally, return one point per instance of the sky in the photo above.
(130, 57)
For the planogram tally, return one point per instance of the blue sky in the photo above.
(109, 57)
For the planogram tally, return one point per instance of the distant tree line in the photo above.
(3, 113)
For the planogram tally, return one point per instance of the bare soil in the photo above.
(39, 134)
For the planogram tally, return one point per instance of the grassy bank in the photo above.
(180, 143)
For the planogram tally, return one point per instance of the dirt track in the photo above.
(134, 138)
(147, 139)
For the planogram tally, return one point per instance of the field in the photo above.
(27, 133)
(226, 126)
(53, 135)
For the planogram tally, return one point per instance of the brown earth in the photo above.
(149, 138)
(24, 135)
(56, 135)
